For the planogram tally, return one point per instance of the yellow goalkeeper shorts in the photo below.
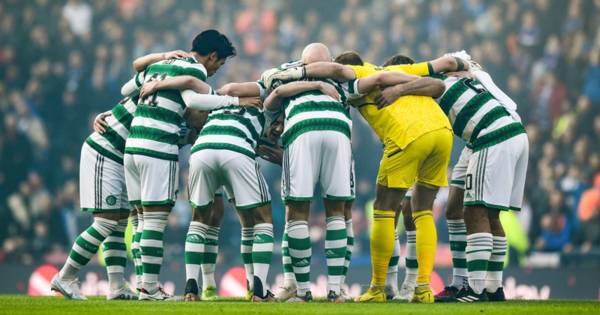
(424, 160)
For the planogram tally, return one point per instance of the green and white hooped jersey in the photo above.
(234, 128)
(111, 143)
(313, 110)
(156, 123)
(476, 116)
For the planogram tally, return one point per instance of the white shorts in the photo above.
(101, 183)
(496, 175)
(459, 171)
(151, 181)
(239, 174)
(317, 156)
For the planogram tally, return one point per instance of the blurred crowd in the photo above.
(62, 62)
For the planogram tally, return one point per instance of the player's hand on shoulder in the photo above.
(254, 101)
(269, 77)
(330, 90)
(100, 123)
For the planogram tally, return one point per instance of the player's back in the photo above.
(316, 111)
(406, 119)
(111, 143)
(476, 116)
(156, 123)
(234, 128)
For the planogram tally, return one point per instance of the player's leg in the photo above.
(391, 287)
(247, 239)
(203, 182)
(262, 251)
(397, 172)
(457, 234)
(211, 252)
(520, 147)
(349, 247)
(158, 197)
(300, 172)
(288, 290)
(457, 231)
(478, 199)
(299, 246)
(426, 237)
(246, 184)
(136, 234)
(493, 281)
(411, 266)
(115, 250)
(336, 178)
(435, 147)
(94, 197)
(132, 183)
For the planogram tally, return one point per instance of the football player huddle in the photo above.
(298, 116)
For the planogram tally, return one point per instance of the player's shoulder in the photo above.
(365, 69)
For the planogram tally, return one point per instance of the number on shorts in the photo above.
(469, 182)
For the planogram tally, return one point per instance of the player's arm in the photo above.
(133, 86)
(383, 79)
(329, 70)
(273, 101)
(141, 63)
(184, 82)
(321, 70)
(448, 63)
(423, 86)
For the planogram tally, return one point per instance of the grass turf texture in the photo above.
(21, 304)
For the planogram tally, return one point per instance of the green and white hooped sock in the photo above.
(335, 251)
(194, 250)
(211, 251)
(479, 250)
(246, 251)
(411, 265)
(349, 248)
(151, 245)
(289, 279)
(115, 256)
(457, 231)
(136, 250)
(301, 253)
(262, 253)
(85, 246)
(493, 280)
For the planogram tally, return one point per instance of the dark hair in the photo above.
(212, 41)
(349, 58)
(398, 60)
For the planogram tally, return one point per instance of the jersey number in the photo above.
(150, 100)
(474, 85)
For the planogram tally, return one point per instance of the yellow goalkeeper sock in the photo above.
(382, 245)
(426, 244)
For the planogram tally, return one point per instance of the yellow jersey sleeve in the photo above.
(363, 71)
(420, 69)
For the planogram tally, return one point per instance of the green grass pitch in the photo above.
(21, 304)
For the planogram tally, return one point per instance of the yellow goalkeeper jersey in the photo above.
(409, 117)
